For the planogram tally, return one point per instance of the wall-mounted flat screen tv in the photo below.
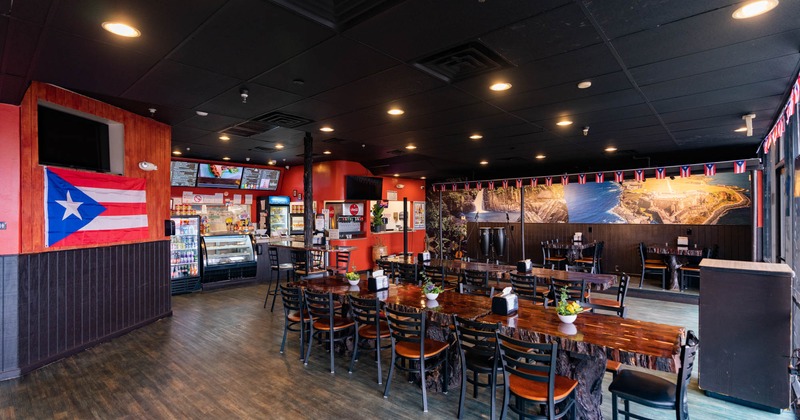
(363, 188)
(183, 174)
(73, 139)
(219, 176)
(260, 179)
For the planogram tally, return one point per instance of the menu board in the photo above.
(219, 176)
(260, 179)
(182, 174)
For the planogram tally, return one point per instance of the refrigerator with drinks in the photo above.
(273, 215)
(185, 262)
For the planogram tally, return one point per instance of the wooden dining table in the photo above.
(584, 345)
(672, 256)
(594, 281)
(574, 250)
(454, 266)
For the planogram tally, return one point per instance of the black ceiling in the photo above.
(670, 79)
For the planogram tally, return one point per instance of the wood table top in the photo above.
(597, 281)
(301, 245)
(453, 265)
(571, 245)
(674, 250)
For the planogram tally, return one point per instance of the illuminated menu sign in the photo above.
(260, 179)
(182, 174)
(219, 176)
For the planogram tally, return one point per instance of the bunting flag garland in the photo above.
(455, 188)
(479, 186)
(619, 176)
(739, 166)
(780, 126)
(466, 186)
(564, 179)
(686, 171)
(599, 177)
(660, 173)
(505, 184)
(433, 187)
(639, 175)
(534, 182)
(519, 183)
(581, 179)
(710, 169)
(491, 185)
(548, 180)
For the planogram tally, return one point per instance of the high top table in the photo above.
(584, 346)
(574, 249)
(671, 254)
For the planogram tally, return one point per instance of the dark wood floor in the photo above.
(217, 357)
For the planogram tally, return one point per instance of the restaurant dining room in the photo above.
(472, 209)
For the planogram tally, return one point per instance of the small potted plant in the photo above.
(352, 276)
(567, 311)
(377, 216)
(430, 289)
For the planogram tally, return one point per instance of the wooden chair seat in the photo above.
(654, 260)
(655, 266)
(284, 266)
(369, 331)
(585, 260)
(604, 302)
(613, 366)
(557, 259)
(294, 316)
(537, 391)
(411, 350)
(339, 323)
(692, 268)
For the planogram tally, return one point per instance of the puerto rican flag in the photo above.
(581, 178)
(453, 187)
(710, 169)
(660, 173)
(548, 180)
(599, 177)
(87, 208)
(639, 175)
(619, 176)
(519, 183)
(479, 186)
(505, 184)
(491, 185)
(686, 171)
(564, 179)
(534, 182)
(739, 166)
(466, 186)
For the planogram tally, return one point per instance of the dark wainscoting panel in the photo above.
(8, 316)
(735, 241)
(71, 300)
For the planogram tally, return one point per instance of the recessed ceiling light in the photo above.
(501, 86)
(177, 152)
(476, 137)
(271, 162)
(396, 174)
(121, 29)
(484, 162)
(278, 146)
(540, 156)
(224, 137)
(326, 129)
(411, 147)
(584, 84)
(226, 158)
(754, 8)
(740, 130)
(423, 177)
(327, 152)
(395, 111)
(201, 113)
(564, 123)
(611, 149)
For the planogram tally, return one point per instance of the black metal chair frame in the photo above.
(595, 262)
(471, 289)
(275, 265)
(650, 382)
(366, 313)
(531, 287)
(622, 291)
(434, 274)
(342, 263)
(292, 298)
(537, 357)
(321, 308)
(576, 289)
(406, 273)
(548, 259)
(475, 278)
(653, 269)
(386, 266)
(411, 327)
(693, 270)
(477, 349)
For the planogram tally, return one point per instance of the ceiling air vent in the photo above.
(282, 120)
(249, 128)
(264, 149)
(337, 14)
(334, 140)
(462, 62)
(396, 152)
(313, 155)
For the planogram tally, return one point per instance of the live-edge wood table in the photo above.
(584, 346)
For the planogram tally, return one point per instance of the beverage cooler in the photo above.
(298, 223)
(228, 258)
(185, 264)
(273, 215)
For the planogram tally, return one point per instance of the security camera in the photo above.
(147, 166)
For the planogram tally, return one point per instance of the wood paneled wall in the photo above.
(145, 140)
(70, 300)
(734, 242)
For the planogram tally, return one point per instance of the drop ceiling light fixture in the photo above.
(327, 152)
(411, 147)
(278, 146)
(395, 111)
(540, 156)
(224, 137)
(564, 123)
(754, 8)
(326, 129)
(177, 152)
(476, 136)
(611, 149)
(271, 162)
(396, 174)
(121, 29)
(226, 158)
(584, 84)
(500, 86)
(484, 162)
(423, 177)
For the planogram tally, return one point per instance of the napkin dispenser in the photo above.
(378, 283)
(683, 241)
(578, 237)
(424, 256)
(505, 303)
(524, 266)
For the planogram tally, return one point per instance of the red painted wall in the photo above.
(329, 185)
(9, 194)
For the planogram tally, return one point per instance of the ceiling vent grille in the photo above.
(282, 120)
(264, 149)
(248, 128)
(338, 14)
(396, 152)
(334, 140)
(462, 62)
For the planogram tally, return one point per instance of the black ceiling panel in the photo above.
(210, 122)
(180, 85)
(12, 89)
(33, 11)
(581, 105)
(762, 106)
(259, 100)
(751, 91)
(24, 38)
(602, 84)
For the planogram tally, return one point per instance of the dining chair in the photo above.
(386, 266)
(325, 324)
(653, 391)
(275, 265)
(692, 269)
(651, 267)
(341, 263)
(436, 275)
(615, 305)
(553, 260)
(406, 273)
(476, 278)
(575, 289)
(530, 287)
(594, 261)
(369, 326)
(478, 350)
(298, 258)
(529, 373)
(410, 347)
(471, 289)
(302, 268)
(294, 315)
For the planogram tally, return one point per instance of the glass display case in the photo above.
(227, 257)
(185, 268)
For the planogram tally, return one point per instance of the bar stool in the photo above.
(275, 265)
